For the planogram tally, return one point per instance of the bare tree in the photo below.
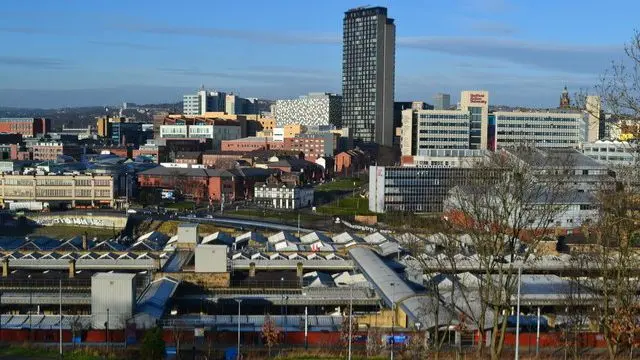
(347, 330)
(613, 264)
(437, 307)
(508, 205)
(177, 334)
(375, 345)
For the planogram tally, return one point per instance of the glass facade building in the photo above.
(414, 189)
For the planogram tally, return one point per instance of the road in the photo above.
(218, 220)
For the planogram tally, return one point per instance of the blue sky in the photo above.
(69, 53)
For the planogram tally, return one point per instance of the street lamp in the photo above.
(517, 355)
(238, 353)
(106, 327)
(286, 315)
(350, 318)
(393, 317)
(30, 306)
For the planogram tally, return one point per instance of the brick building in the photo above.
(205, 184)
(155, 152)
(350, 161)
(51, 150)
(189, 157)
(28, 127)
(313, 146)
(215, 158)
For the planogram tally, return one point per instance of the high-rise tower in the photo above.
(368, 66)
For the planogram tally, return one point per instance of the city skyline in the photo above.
(89, 54)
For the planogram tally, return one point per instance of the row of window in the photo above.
(501, 118)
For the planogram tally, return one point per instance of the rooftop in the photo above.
(553, 157)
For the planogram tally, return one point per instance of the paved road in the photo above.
(246, 223)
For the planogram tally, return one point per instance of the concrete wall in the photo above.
(113, 292)
(101, 221)
(211, 258)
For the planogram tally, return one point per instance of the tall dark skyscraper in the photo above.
(368, 66)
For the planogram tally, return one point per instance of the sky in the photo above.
(99, 52)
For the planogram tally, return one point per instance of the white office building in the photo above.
(216, 133)
(203, 101)
(616, 153)
(541, 129)
(312, 110)
(424, 130)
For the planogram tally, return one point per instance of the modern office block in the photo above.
(368, 65)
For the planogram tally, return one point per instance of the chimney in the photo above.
(72, 269)
(84, 242)
(299, 270)
(5, 268)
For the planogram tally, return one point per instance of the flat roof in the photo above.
(113, 275)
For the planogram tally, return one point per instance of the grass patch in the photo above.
(426, 222)
(181, 205)
(347, 206)
(61, 231)
(51, 353)
(342, 184)
(272, 214)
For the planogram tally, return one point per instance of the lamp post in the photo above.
(517, 355)
(0, 317)
(350, 317)
(60, 320)
(393, 317)
(106, 328)
(30, 307)
(238, 353)
(286, 315)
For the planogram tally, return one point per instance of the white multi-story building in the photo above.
(283, 196)
(424, 130)
(203, 101)
(611, 152)
(453, 158)
(216, 133)
(311, 109)
(541, 129)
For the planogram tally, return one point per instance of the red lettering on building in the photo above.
(477, 99)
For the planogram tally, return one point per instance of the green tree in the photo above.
(152, 344)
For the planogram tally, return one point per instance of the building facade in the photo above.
(476, 103)
(413, 189)
(203, 101)
(434, 129)
(542, 129)
(595, 118)
(124, 133)
(88, 189)
(611, 153)
(311, 109)
(368, 74)
(46, 151)
(283, 196)
(216, 133)
(28, 127)
(442, 101)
